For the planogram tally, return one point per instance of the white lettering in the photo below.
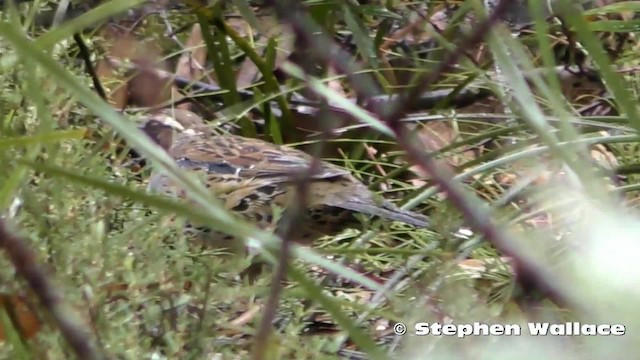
(481, 329)
(513, 329)
(422, 328)
(618, 329)
(496, 329)
(449, 329)
(464, 330)
(537, 329)
(590, 329)
(557, 329)
(575, 329)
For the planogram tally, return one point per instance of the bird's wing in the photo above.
(247, 158)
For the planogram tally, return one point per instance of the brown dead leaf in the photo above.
(23, 316)
(144, 87)
(191, 63)
(603, 156)
(434, 136)
(248, 72)
(119, 47)
(247, 316)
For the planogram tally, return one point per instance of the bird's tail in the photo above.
(388, 211)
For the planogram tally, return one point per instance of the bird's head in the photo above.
(160, 128)
(163, 126)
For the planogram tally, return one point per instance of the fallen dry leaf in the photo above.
(190, 65)
(22, 314)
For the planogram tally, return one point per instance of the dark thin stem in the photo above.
(271, 307)
(24, 260)
(85, 54)
(292, 216)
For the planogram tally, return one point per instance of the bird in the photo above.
(250, 176)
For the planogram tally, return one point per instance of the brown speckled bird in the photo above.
(251, 175)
